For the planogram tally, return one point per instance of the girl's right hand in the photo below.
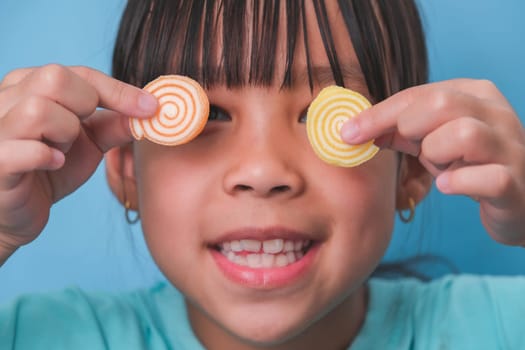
(53, 136)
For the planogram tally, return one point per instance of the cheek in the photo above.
(366, 205)
(362, 196)
(170, 198)
(362, 207)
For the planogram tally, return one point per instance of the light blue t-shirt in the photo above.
(454, 312)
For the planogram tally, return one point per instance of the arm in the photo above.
(5, 253)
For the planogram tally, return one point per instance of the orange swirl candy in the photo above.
(326, 115)
(182, 113)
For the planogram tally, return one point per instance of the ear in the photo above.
(120, 175)
(414, 182)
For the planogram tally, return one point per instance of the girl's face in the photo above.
(251, 182)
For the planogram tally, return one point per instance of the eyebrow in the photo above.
(323, 75)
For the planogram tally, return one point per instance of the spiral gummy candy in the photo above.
(182, 113)
(326, 115)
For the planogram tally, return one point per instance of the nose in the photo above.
(264, 172)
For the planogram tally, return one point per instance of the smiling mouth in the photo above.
(258, 254)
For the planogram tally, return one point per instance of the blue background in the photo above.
(87, 242)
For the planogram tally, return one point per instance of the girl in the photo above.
(252, 181)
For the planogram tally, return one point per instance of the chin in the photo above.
(259, 325)
(273, 332)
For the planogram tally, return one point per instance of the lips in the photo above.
(264, 258)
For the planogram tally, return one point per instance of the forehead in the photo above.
(336, 33)
(308, 17)
(250, 42)
(325, 48)
(312, 41)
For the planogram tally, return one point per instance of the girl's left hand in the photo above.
(468, 136)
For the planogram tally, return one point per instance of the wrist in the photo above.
(6, 250)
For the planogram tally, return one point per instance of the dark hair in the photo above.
(183, 37)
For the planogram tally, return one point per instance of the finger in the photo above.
(401, 144)
(466, 139)
(425, 115)
(480, 88)
(18, 157)
(491, 182)
(81, 90)
(38, 118)
(383, 117)
(14, 77)
(108, 129)
(118, 96)
(56, 83)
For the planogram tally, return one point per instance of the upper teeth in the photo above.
(264, 254)
(272, 246)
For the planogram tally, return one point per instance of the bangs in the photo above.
(235, 43)
(226, 42)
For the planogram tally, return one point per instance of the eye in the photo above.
(218, 114)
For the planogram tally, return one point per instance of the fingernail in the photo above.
(58, 158)
(350, 131)
(147, 103)
(443, 183)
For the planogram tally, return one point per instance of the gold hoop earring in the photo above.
(127, 211)
(411, 211)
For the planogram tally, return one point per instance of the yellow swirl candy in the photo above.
(326, 115)
(182, 113)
